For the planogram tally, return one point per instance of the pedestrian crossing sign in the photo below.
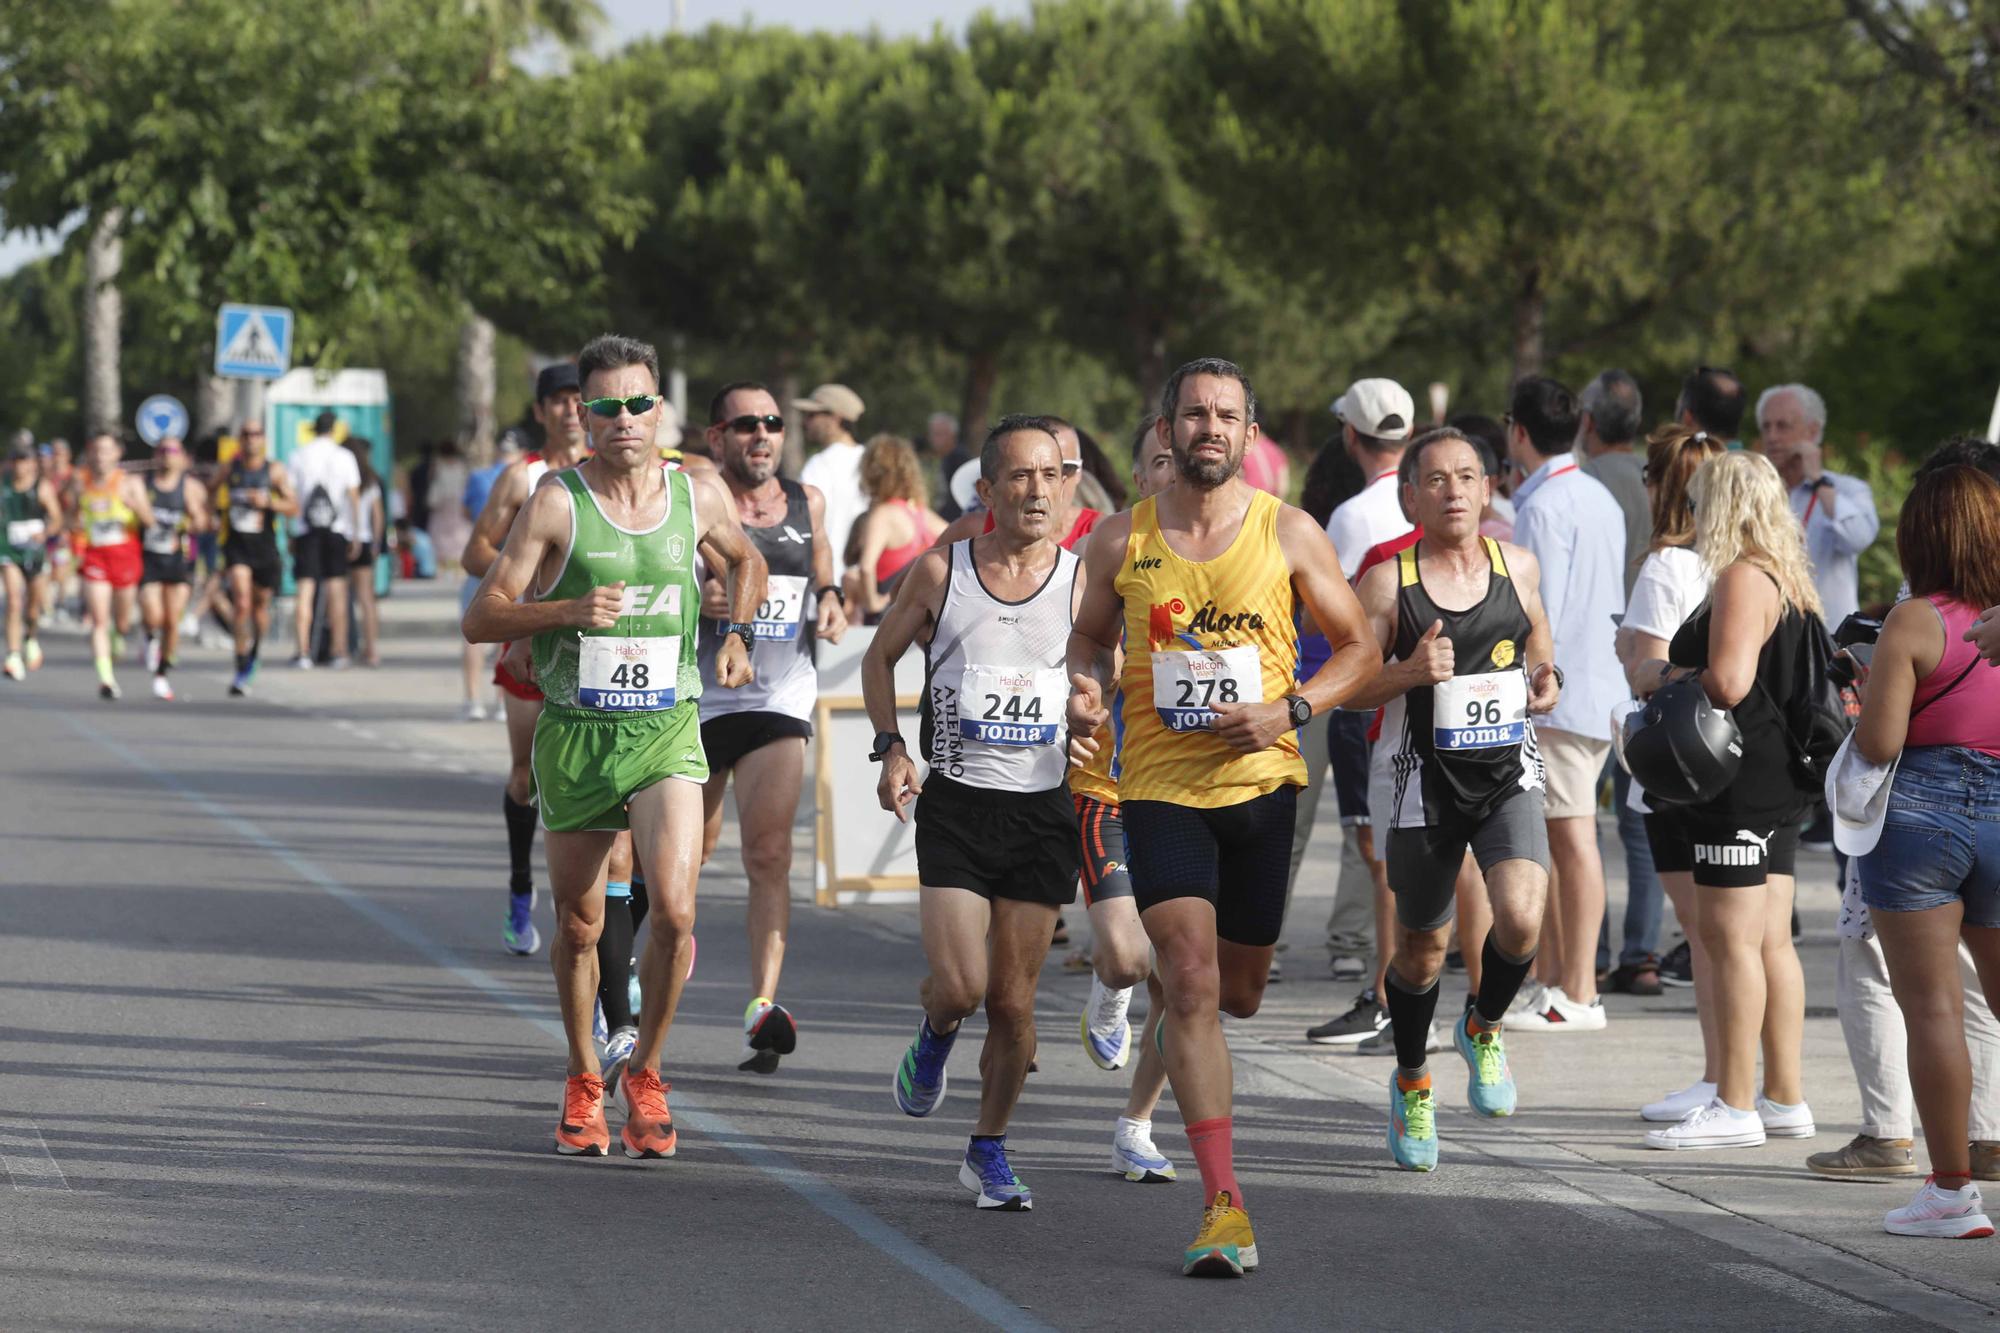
(253, 342)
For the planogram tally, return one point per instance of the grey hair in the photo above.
(1810, 403)
(1170, 396)
(1012, 424)
(1406, 471)
(610, 351)
(944, 416)
(1614, 405)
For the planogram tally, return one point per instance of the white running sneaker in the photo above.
(162, 690)
(339, 664)
(1107, 1033)
(1786, 1122)
(1676, 1105)
(1556, 1012)
(1133, 1155)
(1942, 1214)
(302, 663)
(1716, 1125)
(475, 712)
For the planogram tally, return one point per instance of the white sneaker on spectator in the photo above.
(1558, 1013)
(1786, 1122)
(475, 711)
(1716, 1125)
(1677, 1104)
(1944, 1214)
(1531, 996)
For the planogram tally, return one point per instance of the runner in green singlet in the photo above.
(606, 552)
(30, 514)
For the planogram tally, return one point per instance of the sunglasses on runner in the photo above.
(750, 421)
(638, 404)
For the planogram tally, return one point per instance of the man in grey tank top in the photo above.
(760, 731)
(997, 850)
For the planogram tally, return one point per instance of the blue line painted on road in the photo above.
(991, 1305)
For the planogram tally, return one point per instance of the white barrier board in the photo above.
(865, 854)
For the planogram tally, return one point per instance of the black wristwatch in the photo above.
(833, 588)
(1558, 673)
(1301, 708)
(1823, 481)
(883, 740)
(745, 632)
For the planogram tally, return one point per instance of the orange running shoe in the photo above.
(583, 1131)
(649, 1125)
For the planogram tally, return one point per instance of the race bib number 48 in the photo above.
(1012, 705)
(1187, 684)
(619, 675)
(1480, 712)
(784, 602)
(24, 532)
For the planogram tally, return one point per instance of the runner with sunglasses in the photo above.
(604, 555)
(759, 732)
(559, 411)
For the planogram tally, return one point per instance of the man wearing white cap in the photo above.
(1376, 416)
(829, 415)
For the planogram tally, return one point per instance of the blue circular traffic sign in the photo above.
(161, 416)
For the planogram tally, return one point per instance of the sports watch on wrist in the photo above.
(1301, 709)
(745, 632)
(883, 740)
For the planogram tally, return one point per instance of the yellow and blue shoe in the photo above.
(1413, 1139)
(1490, 1089)
(1225, 1246)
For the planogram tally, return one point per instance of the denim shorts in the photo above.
(1941, 837)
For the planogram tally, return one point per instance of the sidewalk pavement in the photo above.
(1579, 1091)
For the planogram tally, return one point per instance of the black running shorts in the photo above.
(1000, 844)
(732, 735)
(1101, 827)
(1237, 857)
(157, 568)
(259, 557)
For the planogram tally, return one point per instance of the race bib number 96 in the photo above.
(1012, 706)
(1480, 712)
(619, 675)
(1187, 684)
(784, 601)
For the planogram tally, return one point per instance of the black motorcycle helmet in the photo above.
(1680, 747)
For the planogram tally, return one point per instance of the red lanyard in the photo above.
(1569, 467)
(1379, 475)
(1812, 503)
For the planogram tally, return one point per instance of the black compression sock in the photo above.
(614, 965)
(520, 843)
(638, 905)
(1500, 979)
(1410, 1015)
(243, 661)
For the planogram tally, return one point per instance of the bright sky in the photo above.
(627, 20)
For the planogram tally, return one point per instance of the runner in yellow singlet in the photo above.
(1205, 575)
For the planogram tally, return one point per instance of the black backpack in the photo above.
(1814, 714)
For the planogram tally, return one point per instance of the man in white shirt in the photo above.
(327, 482)
(830, 413)
(1838, 511)
(1574, 527)
(1376, 416)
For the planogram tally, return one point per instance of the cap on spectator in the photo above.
(965, 486)
(838, 399)
(1378, 407)
(21, 448)
(554, 379)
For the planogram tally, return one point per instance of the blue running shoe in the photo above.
(1413, 1139)
(986, 1173)
(1490, 1090)
(599, 1032)
(920, 1081)
(519, 934)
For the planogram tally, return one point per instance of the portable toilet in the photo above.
(359, 400)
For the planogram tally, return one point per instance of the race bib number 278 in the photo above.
(1187, 684)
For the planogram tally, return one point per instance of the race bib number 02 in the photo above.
(1480, 712)
(1187, 684)
(619, 675)
(784, 601)
(164, 540)
(245, 518)
(1012, 706)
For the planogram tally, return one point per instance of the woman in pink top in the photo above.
(1934, 877)
(896, 529)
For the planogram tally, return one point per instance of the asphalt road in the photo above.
(264, 1063)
